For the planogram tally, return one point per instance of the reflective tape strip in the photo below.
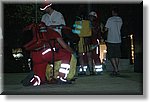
(46, 51)
(29, 59)
(97, 50)
(43, 30)
(99, 70)
(38, 78)
(80, 69)
(98, 41)
(98, 66)
(46, 7)
(56, 29)
(37, 82)
(54, 49)
(85, 68)
(63, 79)
(65, 65)
(64, 70)
(51, 65)
(14, 55)
(31, 80)
(19, 55)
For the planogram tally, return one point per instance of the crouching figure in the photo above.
(49, 53)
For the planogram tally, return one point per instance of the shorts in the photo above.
(113, 50)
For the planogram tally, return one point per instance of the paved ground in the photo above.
(127, 83)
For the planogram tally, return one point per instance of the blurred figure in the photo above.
(96, 37)
(113, 26)
(55, 20)
(84, 31)
(52, 18)
(48, 46)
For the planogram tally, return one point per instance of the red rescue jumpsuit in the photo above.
(42, 57)
(95, 42)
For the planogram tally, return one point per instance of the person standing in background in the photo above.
(113, 42)
(85, 59)
(52, 18)
(95, 40)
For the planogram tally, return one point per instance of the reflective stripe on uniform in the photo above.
(98, 68)
(46, 51)
(64, 68)
(37, 82)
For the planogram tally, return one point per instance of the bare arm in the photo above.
(64, 45)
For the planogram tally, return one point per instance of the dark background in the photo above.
(17, 16)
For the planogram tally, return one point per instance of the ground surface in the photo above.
(127, 83)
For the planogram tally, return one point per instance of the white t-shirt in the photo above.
(114, 26)
(56, 18)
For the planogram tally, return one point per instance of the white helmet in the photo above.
(93, 14)
(45, 6)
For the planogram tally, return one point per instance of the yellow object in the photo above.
(85, 30)
(82, 46)
(49, 70)
(72, 71)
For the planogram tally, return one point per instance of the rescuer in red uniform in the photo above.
(50, 47)
(95, 39)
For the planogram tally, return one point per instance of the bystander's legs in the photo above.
(115, 64)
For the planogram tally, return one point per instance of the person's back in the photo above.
(114, 24)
